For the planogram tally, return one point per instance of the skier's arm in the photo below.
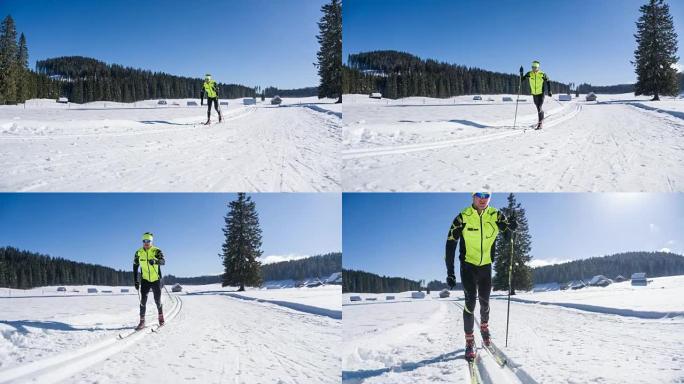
(547, 84)
(451, 243)
(136, 264)
(160, 257)
(525, 76)
(506, 224)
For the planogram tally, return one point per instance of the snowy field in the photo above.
(106, 146)
(421, 340)
(621, 143)
(210, 336)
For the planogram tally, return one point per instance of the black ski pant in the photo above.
(156, 292)
(538, 102)
(216, 106)
(477, 283)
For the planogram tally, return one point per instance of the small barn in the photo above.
(639, 279)
(161, 102)
(191, 103)
(477, 98)
(375, 95)
(63, 100)
(249, 101)
(92, 290)
(566, 97)
(444, 293)
(124, 290)
(591, 96)
(600, 281)
(506, 98)
(619, 279)
(355, 298)
(61, 289)
(389, 297)
(417, 295)
(177, 288)
(223, 103)
(276, 100)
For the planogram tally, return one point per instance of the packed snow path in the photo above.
(255, 148)
(422, 341)
(214, 339)
(612, 146)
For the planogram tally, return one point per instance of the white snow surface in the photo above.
(142, 146)
(210, 337)
(421, 340)
(619, 143)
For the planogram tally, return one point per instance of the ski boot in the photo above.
(470, 352)
(484, 331)
(141, 324)
(539, 125)
(161, 319)
(208, 122)
(220, 117)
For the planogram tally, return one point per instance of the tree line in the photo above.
(84, 79)
(655, 264)
(365, 282)
(400, 74)
(298, 92)
(24, 270)
(315, 266)
(17, 82)
(620, 88)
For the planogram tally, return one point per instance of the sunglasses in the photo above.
(147, 241)
(481, 195)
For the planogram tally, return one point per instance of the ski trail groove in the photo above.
(57, 368)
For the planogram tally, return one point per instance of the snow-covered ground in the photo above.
(210, 337)
(620, 143)
(421, 340)
(106, 146)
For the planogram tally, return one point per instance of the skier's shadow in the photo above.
(404, 367)
(21, 326)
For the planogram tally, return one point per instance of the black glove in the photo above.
(151, 261)
(521, 72)
(137, 285)
(513, 225)
(451, 281)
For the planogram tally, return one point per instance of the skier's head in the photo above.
(535, 65)
(147, 240)
(481, 200)
(207, 77)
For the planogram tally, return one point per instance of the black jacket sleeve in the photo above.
(508, 225)
(136, 264)
(160, 257)
(452, 241)
(547, 85)
(525, 76)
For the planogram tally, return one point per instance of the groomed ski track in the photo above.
(582, 147)
(214, 339)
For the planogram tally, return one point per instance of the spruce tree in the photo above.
(24, 75)
(8, 61)
(522, 245)
(242, 246)
(330, 54)
(656, 53)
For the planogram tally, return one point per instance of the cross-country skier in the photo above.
(148, 259)
(538, 83)
(211, 91)
(476, 229)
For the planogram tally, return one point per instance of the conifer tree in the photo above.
(8, 61)
(656, 54)
(330, 53)
(242, 246)
(522, 245)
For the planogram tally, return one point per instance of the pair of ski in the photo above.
(154, 329)
(495, 352)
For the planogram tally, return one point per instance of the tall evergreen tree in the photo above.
(8, 61)
(522, 245)
(24, 75)
(330, 52)
(242, 246)
(656, 53)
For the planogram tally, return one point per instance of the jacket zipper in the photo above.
(481, 239)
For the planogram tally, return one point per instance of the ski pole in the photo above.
(515, 120)
(510, 274)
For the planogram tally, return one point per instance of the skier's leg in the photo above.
(538, 102)
(208, 109)
(156, 291)
(469, 291)
(144, 290)
(484, 288)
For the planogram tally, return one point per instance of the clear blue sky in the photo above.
(403, 234)
(106, 229)
(250, 42)
(576, 41)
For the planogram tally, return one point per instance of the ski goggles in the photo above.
(147, 241)
(535, 65)
(482, 195)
